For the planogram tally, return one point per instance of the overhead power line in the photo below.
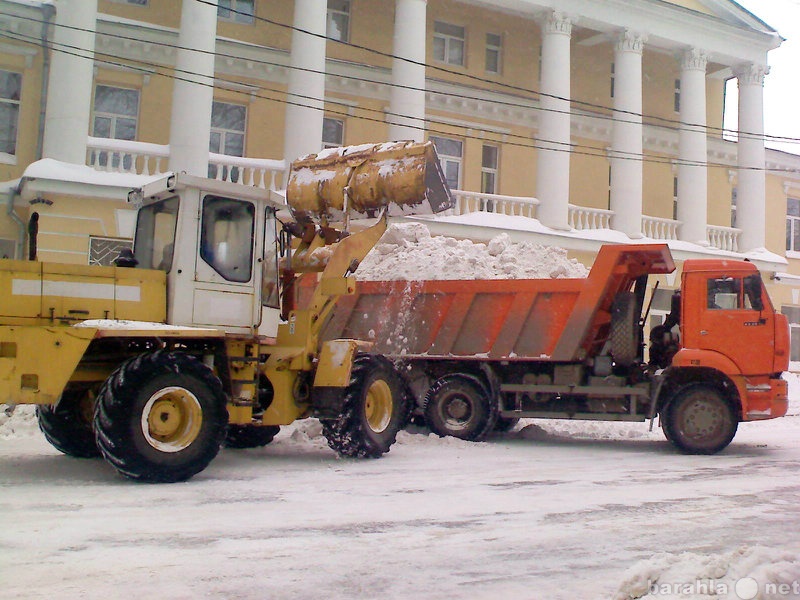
(662, 122)
(151, 68)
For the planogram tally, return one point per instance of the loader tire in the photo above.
(699, 420)
(375, 408)
(161, 417)
(250, 436)
(624, 329)
(67, 425)
(460, 406)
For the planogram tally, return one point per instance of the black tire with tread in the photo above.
(66, 427)
(452, 394)
(624, 325)
(123, 398)
(250, 436)
(352, 434)
(699, 419)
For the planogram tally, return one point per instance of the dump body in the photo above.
(562, 320)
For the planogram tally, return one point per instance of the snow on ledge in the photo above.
(55, 170)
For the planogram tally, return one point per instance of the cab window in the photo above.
(155, 234)
(729, 293)
(270, 293)
(226, 237)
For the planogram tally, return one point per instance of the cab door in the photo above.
(228, 269)
(736, 319)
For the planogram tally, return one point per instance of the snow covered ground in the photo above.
(553, 510)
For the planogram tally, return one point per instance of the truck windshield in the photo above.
(270, 295)
(155, 234)
(732, 293)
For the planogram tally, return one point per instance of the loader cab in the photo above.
(217, 242)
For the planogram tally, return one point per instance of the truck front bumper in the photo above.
(766, 400)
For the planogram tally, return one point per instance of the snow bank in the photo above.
(407, 251)
(748, 572)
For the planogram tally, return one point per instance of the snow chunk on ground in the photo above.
(407, 251)
(18, 421)
(754, 573)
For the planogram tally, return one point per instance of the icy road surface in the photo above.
(553, 510)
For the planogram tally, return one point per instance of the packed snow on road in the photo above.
(551, 510)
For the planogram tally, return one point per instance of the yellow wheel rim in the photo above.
(378, 406)
(171, 419)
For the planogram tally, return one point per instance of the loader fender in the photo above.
(336, 362)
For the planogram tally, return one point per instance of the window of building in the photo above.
(116, 111)
(489, 169)
(103, 251)
(10, 88)
(448, 43)
(793, 316)
(332, 133)
(674, 198)
(238, 11)
(677, 97)
(494, 52)
(228, 122)
(451, 152)
(793, 224)
(338, 27)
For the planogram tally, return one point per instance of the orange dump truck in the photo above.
(477, 355)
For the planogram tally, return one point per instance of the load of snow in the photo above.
(408, 251)
(748, 572)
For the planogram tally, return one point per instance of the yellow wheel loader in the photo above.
(159, 361)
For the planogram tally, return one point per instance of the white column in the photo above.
(626, 137)
(692, 149)
(751, 190)
(552, 159)
(304, 110)
(69, 90)
(193, 90)
(408, 78)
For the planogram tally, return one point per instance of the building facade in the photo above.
(601, 120)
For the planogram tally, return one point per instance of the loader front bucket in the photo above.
(405, 177)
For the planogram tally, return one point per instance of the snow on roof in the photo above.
(53, 176)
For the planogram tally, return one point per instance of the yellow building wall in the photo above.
(588, 185)
(691, 4)
(720, 193)
(658, 186)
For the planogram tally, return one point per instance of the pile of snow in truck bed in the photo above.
(407, 251)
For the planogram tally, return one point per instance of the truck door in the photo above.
(227, 271)
(738, 322)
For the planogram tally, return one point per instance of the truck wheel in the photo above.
(67, 425)
(161, 417)
(700, 420)
(458, 405)
(624, 334)
(374, 410)
(250, 436)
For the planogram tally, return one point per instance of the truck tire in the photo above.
(624, 329)
(161, 417)
(67, 425)
(459, 406)
(699, 420)
(374, 410)
(250, 436)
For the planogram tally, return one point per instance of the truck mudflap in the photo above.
(768, 399)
